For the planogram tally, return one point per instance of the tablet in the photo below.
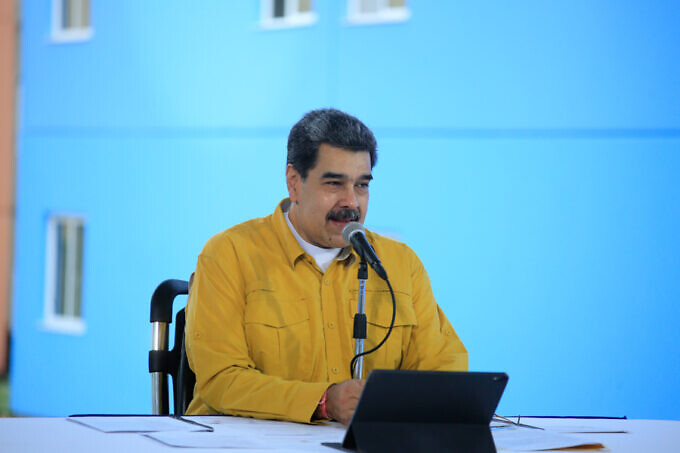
(426, 409)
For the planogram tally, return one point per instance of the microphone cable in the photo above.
(389, 331)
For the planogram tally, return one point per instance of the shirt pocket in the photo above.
(378, 308)
(278, 333)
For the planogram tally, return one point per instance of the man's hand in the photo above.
(342, 398)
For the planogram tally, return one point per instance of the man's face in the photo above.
(334, 193)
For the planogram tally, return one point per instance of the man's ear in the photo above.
(293, 181)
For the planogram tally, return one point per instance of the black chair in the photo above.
(164, 362)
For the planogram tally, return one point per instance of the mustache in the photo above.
(344, 215)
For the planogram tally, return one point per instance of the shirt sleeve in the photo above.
(434, 343)
(227, 381)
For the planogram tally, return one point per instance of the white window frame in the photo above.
(53, 321)
(61, 34)
(292, 17)
(383, 14)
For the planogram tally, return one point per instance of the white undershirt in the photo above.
(323, 257)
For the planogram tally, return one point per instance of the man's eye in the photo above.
(333, 183)
(363, 185)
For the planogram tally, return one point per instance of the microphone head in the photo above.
(350, 229)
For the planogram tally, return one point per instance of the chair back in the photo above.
(164, 362)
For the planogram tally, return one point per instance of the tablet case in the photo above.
(425, 411)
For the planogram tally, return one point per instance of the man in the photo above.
(270, 314)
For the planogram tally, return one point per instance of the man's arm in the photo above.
(226, 378)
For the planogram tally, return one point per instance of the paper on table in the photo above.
(245, 433)
(271, 428)
(241, 439)
(139, 424)
(582, 429)
(527, 439)
(209, 440)
(538, 423)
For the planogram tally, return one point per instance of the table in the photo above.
(61, 434)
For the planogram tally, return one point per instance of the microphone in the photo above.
(353, 234)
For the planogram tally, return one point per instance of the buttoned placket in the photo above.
(331, 327)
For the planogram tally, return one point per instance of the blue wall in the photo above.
(529, 152)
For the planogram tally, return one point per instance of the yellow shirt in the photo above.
(267, 331)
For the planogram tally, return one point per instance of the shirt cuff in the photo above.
(308, 398)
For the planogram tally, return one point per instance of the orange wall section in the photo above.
(8, 43)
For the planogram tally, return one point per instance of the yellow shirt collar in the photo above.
(290, 244)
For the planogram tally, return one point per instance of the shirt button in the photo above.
(449, 332)
(331, 324)
(335, 370)
(326, 282)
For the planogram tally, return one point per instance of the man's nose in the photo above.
(350, 199)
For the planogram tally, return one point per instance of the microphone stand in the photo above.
(360, 321)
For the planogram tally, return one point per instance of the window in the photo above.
(71, 20)
(377, 11)
(64, 274)
(287, 13)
